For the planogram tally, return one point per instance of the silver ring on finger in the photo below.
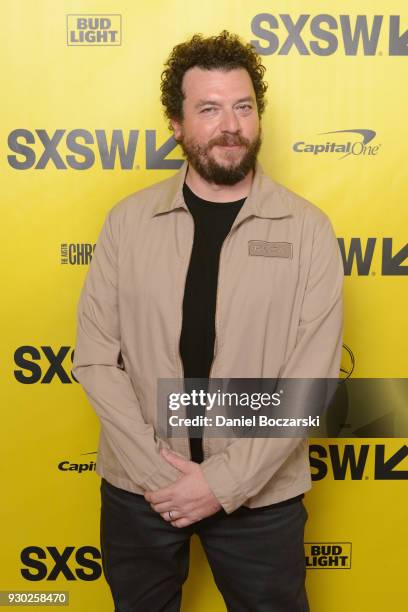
(170, 517)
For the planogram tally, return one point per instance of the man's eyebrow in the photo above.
(247, 99)
(201, 103)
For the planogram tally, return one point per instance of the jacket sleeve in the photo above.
(98, 367)
(245, 466)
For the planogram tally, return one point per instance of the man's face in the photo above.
(220, 133)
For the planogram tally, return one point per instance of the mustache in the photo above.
(228, 141)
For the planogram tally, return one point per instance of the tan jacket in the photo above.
(276, 316)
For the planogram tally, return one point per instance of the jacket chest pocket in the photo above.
(256, 295)
(271, 273)
(256, 277)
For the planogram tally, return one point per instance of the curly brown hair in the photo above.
(225, 51)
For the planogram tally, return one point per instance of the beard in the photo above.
(231, 171)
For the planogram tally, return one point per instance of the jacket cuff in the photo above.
(163, 477)
(223, 484)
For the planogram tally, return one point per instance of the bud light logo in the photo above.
(94, 30)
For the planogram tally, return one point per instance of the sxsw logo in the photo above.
(57, 563)
(350, 461)
(328, 555)
(353, 145)
(94, 30)
(43, 365)
(38, 149)
(325, 34)
(358, 256)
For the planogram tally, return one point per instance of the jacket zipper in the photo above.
(181, 324)
(233, 228)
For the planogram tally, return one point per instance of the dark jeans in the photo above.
(256, 555)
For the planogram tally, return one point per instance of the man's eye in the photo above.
(211, 109)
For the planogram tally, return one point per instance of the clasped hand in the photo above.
(189, 499)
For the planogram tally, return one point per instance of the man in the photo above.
(178, 287)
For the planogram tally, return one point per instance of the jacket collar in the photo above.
(265, 198)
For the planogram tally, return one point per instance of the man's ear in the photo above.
(177, 129)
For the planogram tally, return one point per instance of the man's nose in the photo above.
(229, 121)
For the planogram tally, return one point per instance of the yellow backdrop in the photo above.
(81, 127)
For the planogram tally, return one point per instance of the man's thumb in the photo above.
(178, 462)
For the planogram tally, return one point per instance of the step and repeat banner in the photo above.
(82, 127)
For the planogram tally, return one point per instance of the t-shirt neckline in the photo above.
(210, 203)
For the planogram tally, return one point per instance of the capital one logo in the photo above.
(359, 142)
(325, 34)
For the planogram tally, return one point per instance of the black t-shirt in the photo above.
(212, 222)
